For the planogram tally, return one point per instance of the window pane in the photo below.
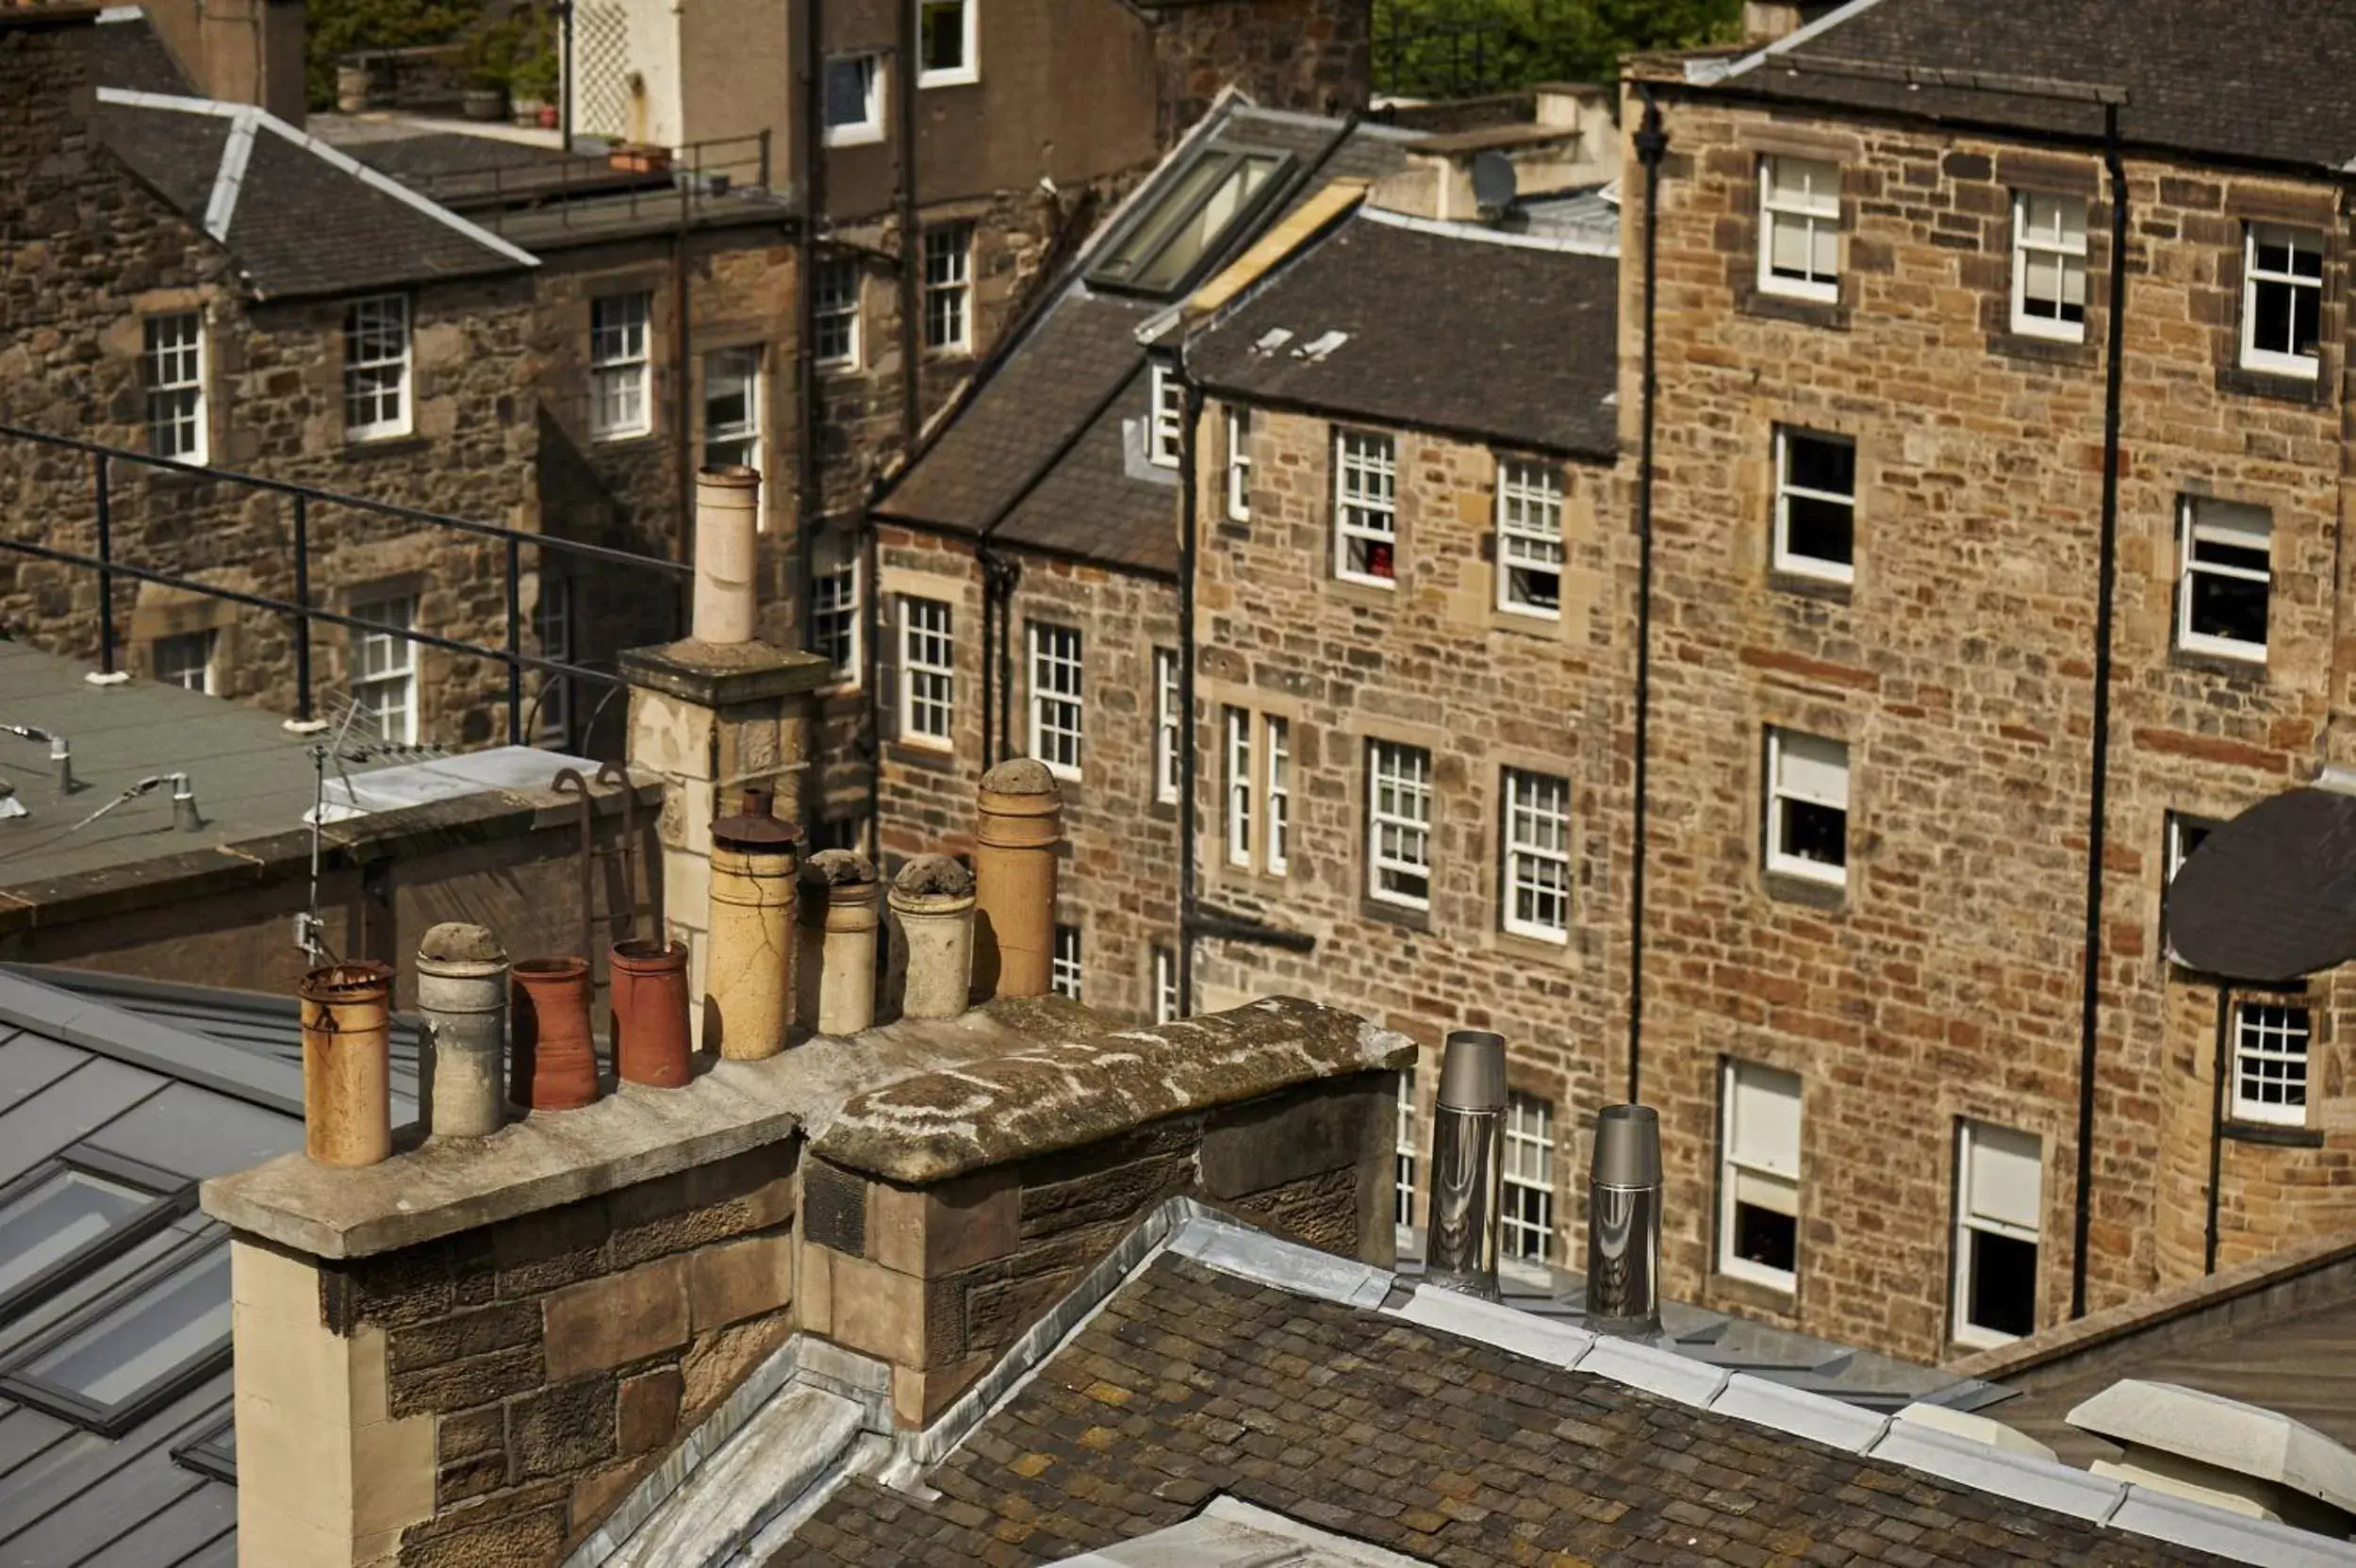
(162, 1328)
(1814, 833)
(1818, 464)
(2003, 1284)
(941, 26)
(1819, 529)
(848, 82)
(1765, 1237)
(2230, 607)
(61, 1214)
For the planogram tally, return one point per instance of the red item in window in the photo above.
(1378, 561)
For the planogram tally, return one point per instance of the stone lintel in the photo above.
(726, 675)
(1077, 1082)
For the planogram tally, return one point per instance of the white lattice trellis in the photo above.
(601, 57)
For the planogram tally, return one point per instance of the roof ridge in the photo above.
(1703, 73)
(1450, 228)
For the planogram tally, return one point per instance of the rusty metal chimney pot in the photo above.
(347, 1064)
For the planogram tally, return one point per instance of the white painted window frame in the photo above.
(1529, 532)
(1277, 737)
(1404, 772)
(552, 629)
(1749, 1173)
(1403, 1164)
(970, 70)
(1537, 808)
(867, 129)
(1165, 418)
(175, 362)
(1165, 985)
(838, 308)
(175, 672)
(1239, 477)
(1365, 502)
(2299, 240)
(384, 660)
(2061, 245)
(927, 686)
(1526, 1222)
(1165, 725)
(371, 374)
(2272, 1033)
(1064, 972)
(950, 287)
(735, 442)
(1815, 211)
(1785, 558)
(1058, 715)
(1969, 1134)
(2228, 525)
(1780, 743)
(1236, 731)
(621, 393)
(835, 598)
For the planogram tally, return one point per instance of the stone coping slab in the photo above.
(1075, 1082)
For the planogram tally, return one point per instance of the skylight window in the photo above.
(1164, 247)
(65, 1216)
(134, 1349)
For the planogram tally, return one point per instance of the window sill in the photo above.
(1394, 914)
(1528, 623)
(361, 451)
(1537, 950)
(1754, 1295)
(938, 759)
(970, 77)
(854, 135)
(953, 351)
(2277, 385)
(1163, 811)
(1807, 584)
(1365, 594)
(1786, 887)
(618, 439)
(1829, 314)
(840, 369)
(2043, 350)
(2232, 666)
(2278, 1134)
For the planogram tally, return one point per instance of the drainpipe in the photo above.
(2089, 1002)
(564, 96)
(911, 241)
(983, 559)
(1191, 404)
(682, 351)
(2216, 1130)
(871, 664)
(1000, 574)
(1651, 143)
(809, 496)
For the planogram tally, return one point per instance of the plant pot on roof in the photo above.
(484, 104)
(639, 157)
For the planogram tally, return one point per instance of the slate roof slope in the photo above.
(1194, 1383)
(2265, 81)
(1049, 445)
(79, 1078)
(302, 219)
(1449, 326)
(127, 51)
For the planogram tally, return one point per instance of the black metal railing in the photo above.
(302, 611)
(1443, 58)
(626, 184)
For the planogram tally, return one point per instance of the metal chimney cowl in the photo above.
(1623, 1222)
(1468, 1171)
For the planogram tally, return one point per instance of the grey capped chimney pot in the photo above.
(1623, 1222)
(1468, 1172)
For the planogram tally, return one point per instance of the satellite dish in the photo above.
(1493, 183)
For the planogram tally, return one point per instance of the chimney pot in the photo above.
(347, 1064)
(749, 969)
(647, 983)
(1467, 1170)
(1020, 825)
(932, 937)
(838, 923)
(728, 507)
(1623, 1222)
(555, 1059)
(462, 997)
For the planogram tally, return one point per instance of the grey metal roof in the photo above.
(129, 1090)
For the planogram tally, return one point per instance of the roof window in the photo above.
(134, 1349)
(68, 1215)
(1167, 243)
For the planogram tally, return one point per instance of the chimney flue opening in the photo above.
(1468, 1147)
(1623, 1222)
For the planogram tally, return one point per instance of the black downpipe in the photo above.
(998, 576)
(2089, 1002)
(989, 659)
(809, 481)
(1191, 406)
(2216, 1130)
(1651, 143)
(872, 668)
(912, 257)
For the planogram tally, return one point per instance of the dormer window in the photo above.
(1175, 236)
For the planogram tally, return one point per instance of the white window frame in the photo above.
(736, 442)
(868, 128)
(836, 602)
(175, 361)
(1536, 806)
(207, 669)
(1818, 751)
(2272, 1033)
(1785, 558)
(921, 628)
(1404, 1156)
(372, 375)
(2273, 361)
(1058, 715)
(1065, 974)
(1529, 532)
(397, 672)
(1813, 210)
(1165, 985)
(1526, 1220)
(622, 391)
(838, 308)
(1365, 502)
(1239, 463)
(965, 73)
(1165, 418)
(1237, 746)
(948, 291)
(1752, 1170)
(1277, 743)
(1406, 772)
(2050, 229)
(1969, 1135)
(552, 629)
(2203, 520)
(1165, 725)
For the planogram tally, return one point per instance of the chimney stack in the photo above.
(728, 507)
(1623, 1223)
(1468, 1171)
(932, 961)
(1020, 825)
(836, 993)
(347, 1064)
(462, 999)
(749, 975)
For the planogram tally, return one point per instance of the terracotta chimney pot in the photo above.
(555, 1059)
(1020, 822)
(649, 993)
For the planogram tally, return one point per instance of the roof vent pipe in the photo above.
(1467, 1170)
(185, 817)
(1623, 1222)
(728, 501)
(61, 765)
(932, 961)
(837, 899)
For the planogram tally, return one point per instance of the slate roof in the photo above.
(127, 51)
(304, 219)
(1196, 1381)
(1450, 326)
(1048, 451)
(81, 1078)
(2265, 81)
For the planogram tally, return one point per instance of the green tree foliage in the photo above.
(1446, 48)
(338, 28)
